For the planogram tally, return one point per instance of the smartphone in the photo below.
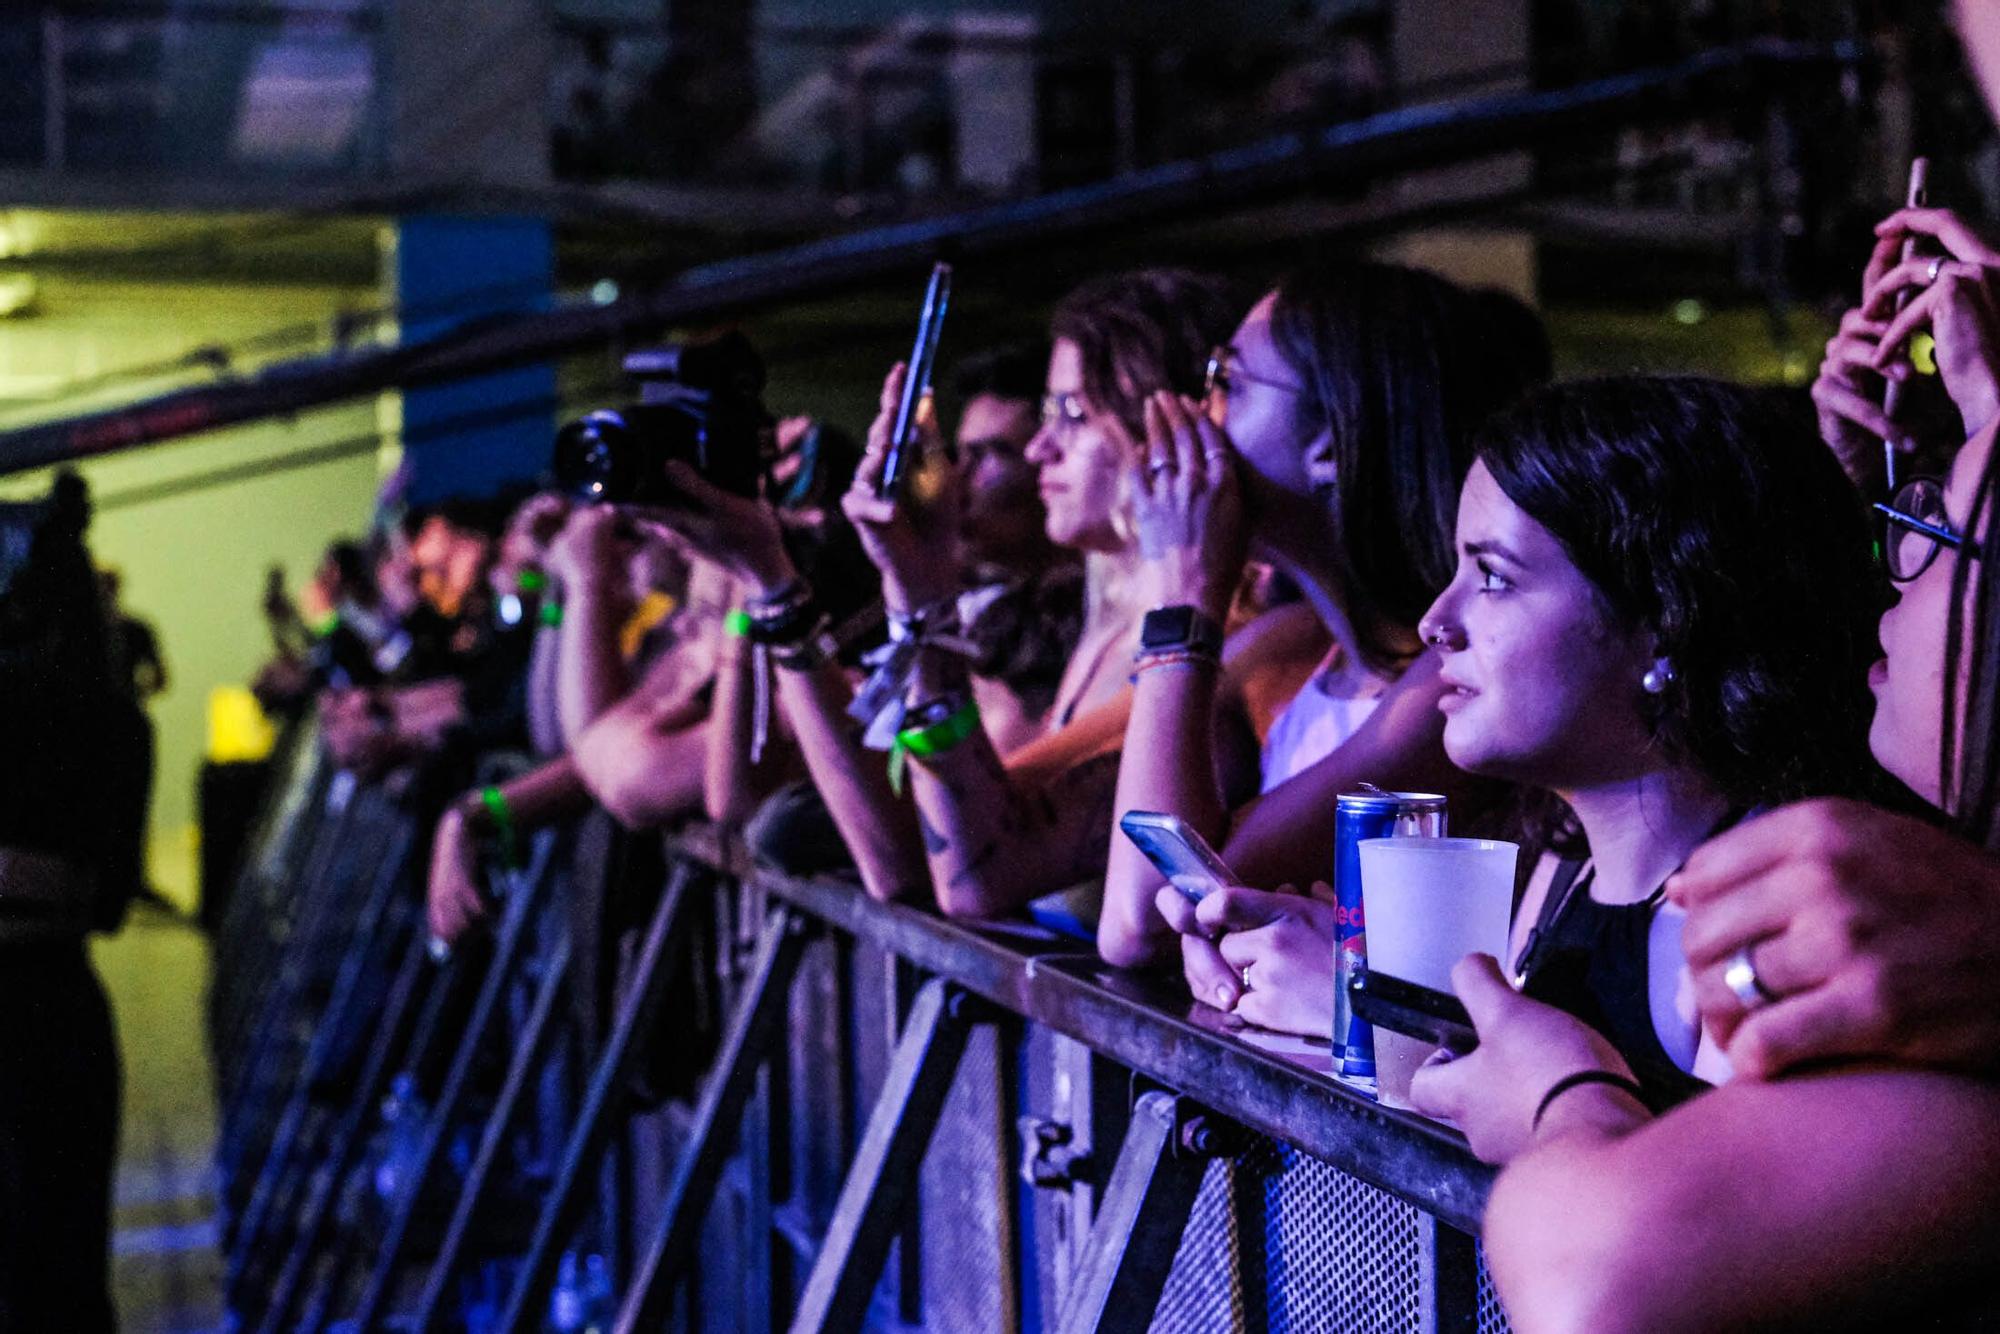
(1178, 852)
(1417, 1011)
(916, 383)
(1892, 393)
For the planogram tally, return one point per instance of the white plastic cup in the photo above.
(1429, 902)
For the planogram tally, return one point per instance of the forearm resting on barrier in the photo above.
(493, 824)
(1759, 1203)
(644, 761)
(1168, 765)
(993, 843)
(879, 827)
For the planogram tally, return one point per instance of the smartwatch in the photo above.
(1180, 629)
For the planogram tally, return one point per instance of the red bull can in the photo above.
(1368, 812)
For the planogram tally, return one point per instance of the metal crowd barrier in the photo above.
(888, 1120)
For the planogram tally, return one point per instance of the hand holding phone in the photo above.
(916, 382)
(1179, 852)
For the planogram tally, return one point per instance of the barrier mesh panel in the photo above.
(1281, 1242)
(1492, 1319)
(1204, 1290)
(963, 1220)
(1338, 1254)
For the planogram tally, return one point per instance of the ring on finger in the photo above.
(1159, 465)
(1740, 976)
(1937, 267)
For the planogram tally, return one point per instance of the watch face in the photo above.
(1166, 625)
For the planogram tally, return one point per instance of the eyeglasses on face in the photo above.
(1063, 413)
(1919, 527)
(1224, 374)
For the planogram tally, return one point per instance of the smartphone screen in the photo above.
(1178, 852)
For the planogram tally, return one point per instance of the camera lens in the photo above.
(597, 459)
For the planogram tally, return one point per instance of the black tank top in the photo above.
(1594, 960)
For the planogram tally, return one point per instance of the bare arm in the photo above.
(1172, 763)
(1805, 1202)
(544, 722)
(879, 827)
(646, 758)
(537, 798)
(993, 843)
(736, 782)
(728, 783)
(1285, 836)
(591, 674)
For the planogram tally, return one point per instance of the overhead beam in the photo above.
(1391, 141)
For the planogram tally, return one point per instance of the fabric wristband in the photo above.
(530, 581)
(1578, 1080)
(551, 613)
(931, 739)
(506, 836)
(1144, 661)
(737, 623)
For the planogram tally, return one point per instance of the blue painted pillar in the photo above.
(449, 270)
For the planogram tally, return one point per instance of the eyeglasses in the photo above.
(1063, 413)
(1919, 528)
(1224, 374)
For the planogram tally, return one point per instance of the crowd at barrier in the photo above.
(766, 876)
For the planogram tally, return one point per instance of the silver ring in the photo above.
(1158, 466)
(1937, 267)
(1740, 976)
(1245, 976)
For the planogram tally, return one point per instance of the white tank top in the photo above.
(1315, 724)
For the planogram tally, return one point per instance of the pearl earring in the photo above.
(1658, 677)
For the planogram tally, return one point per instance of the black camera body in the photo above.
(700, 403)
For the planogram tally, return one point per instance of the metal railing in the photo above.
(859, 1115)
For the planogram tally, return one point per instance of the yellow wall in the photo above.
(194, 564)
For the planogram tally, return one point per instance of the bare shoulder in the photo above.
(1282, 634)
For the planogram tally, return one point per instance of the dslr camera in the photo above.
(700, 403)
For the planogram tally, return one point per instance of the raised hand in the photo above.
(1187, 508)
(1952, 295)
(1877, 934)
(912, 538)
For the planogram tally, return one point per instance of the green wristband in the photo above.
(551, 613)
(531, 581)
(506, 836)
(931, 739)
(737, 623)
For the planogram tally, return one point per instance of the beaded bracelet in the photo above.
(1143, 662)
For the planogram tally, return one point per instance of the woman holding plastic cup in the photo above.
(1663, 615)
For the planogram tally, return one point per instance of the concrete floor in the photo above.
(165, 1271)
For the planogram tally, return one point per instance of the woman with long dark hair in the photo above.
(1336, 432)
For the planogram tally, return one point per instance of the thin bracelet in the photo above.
(1578, 1080)
(1182, 658)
